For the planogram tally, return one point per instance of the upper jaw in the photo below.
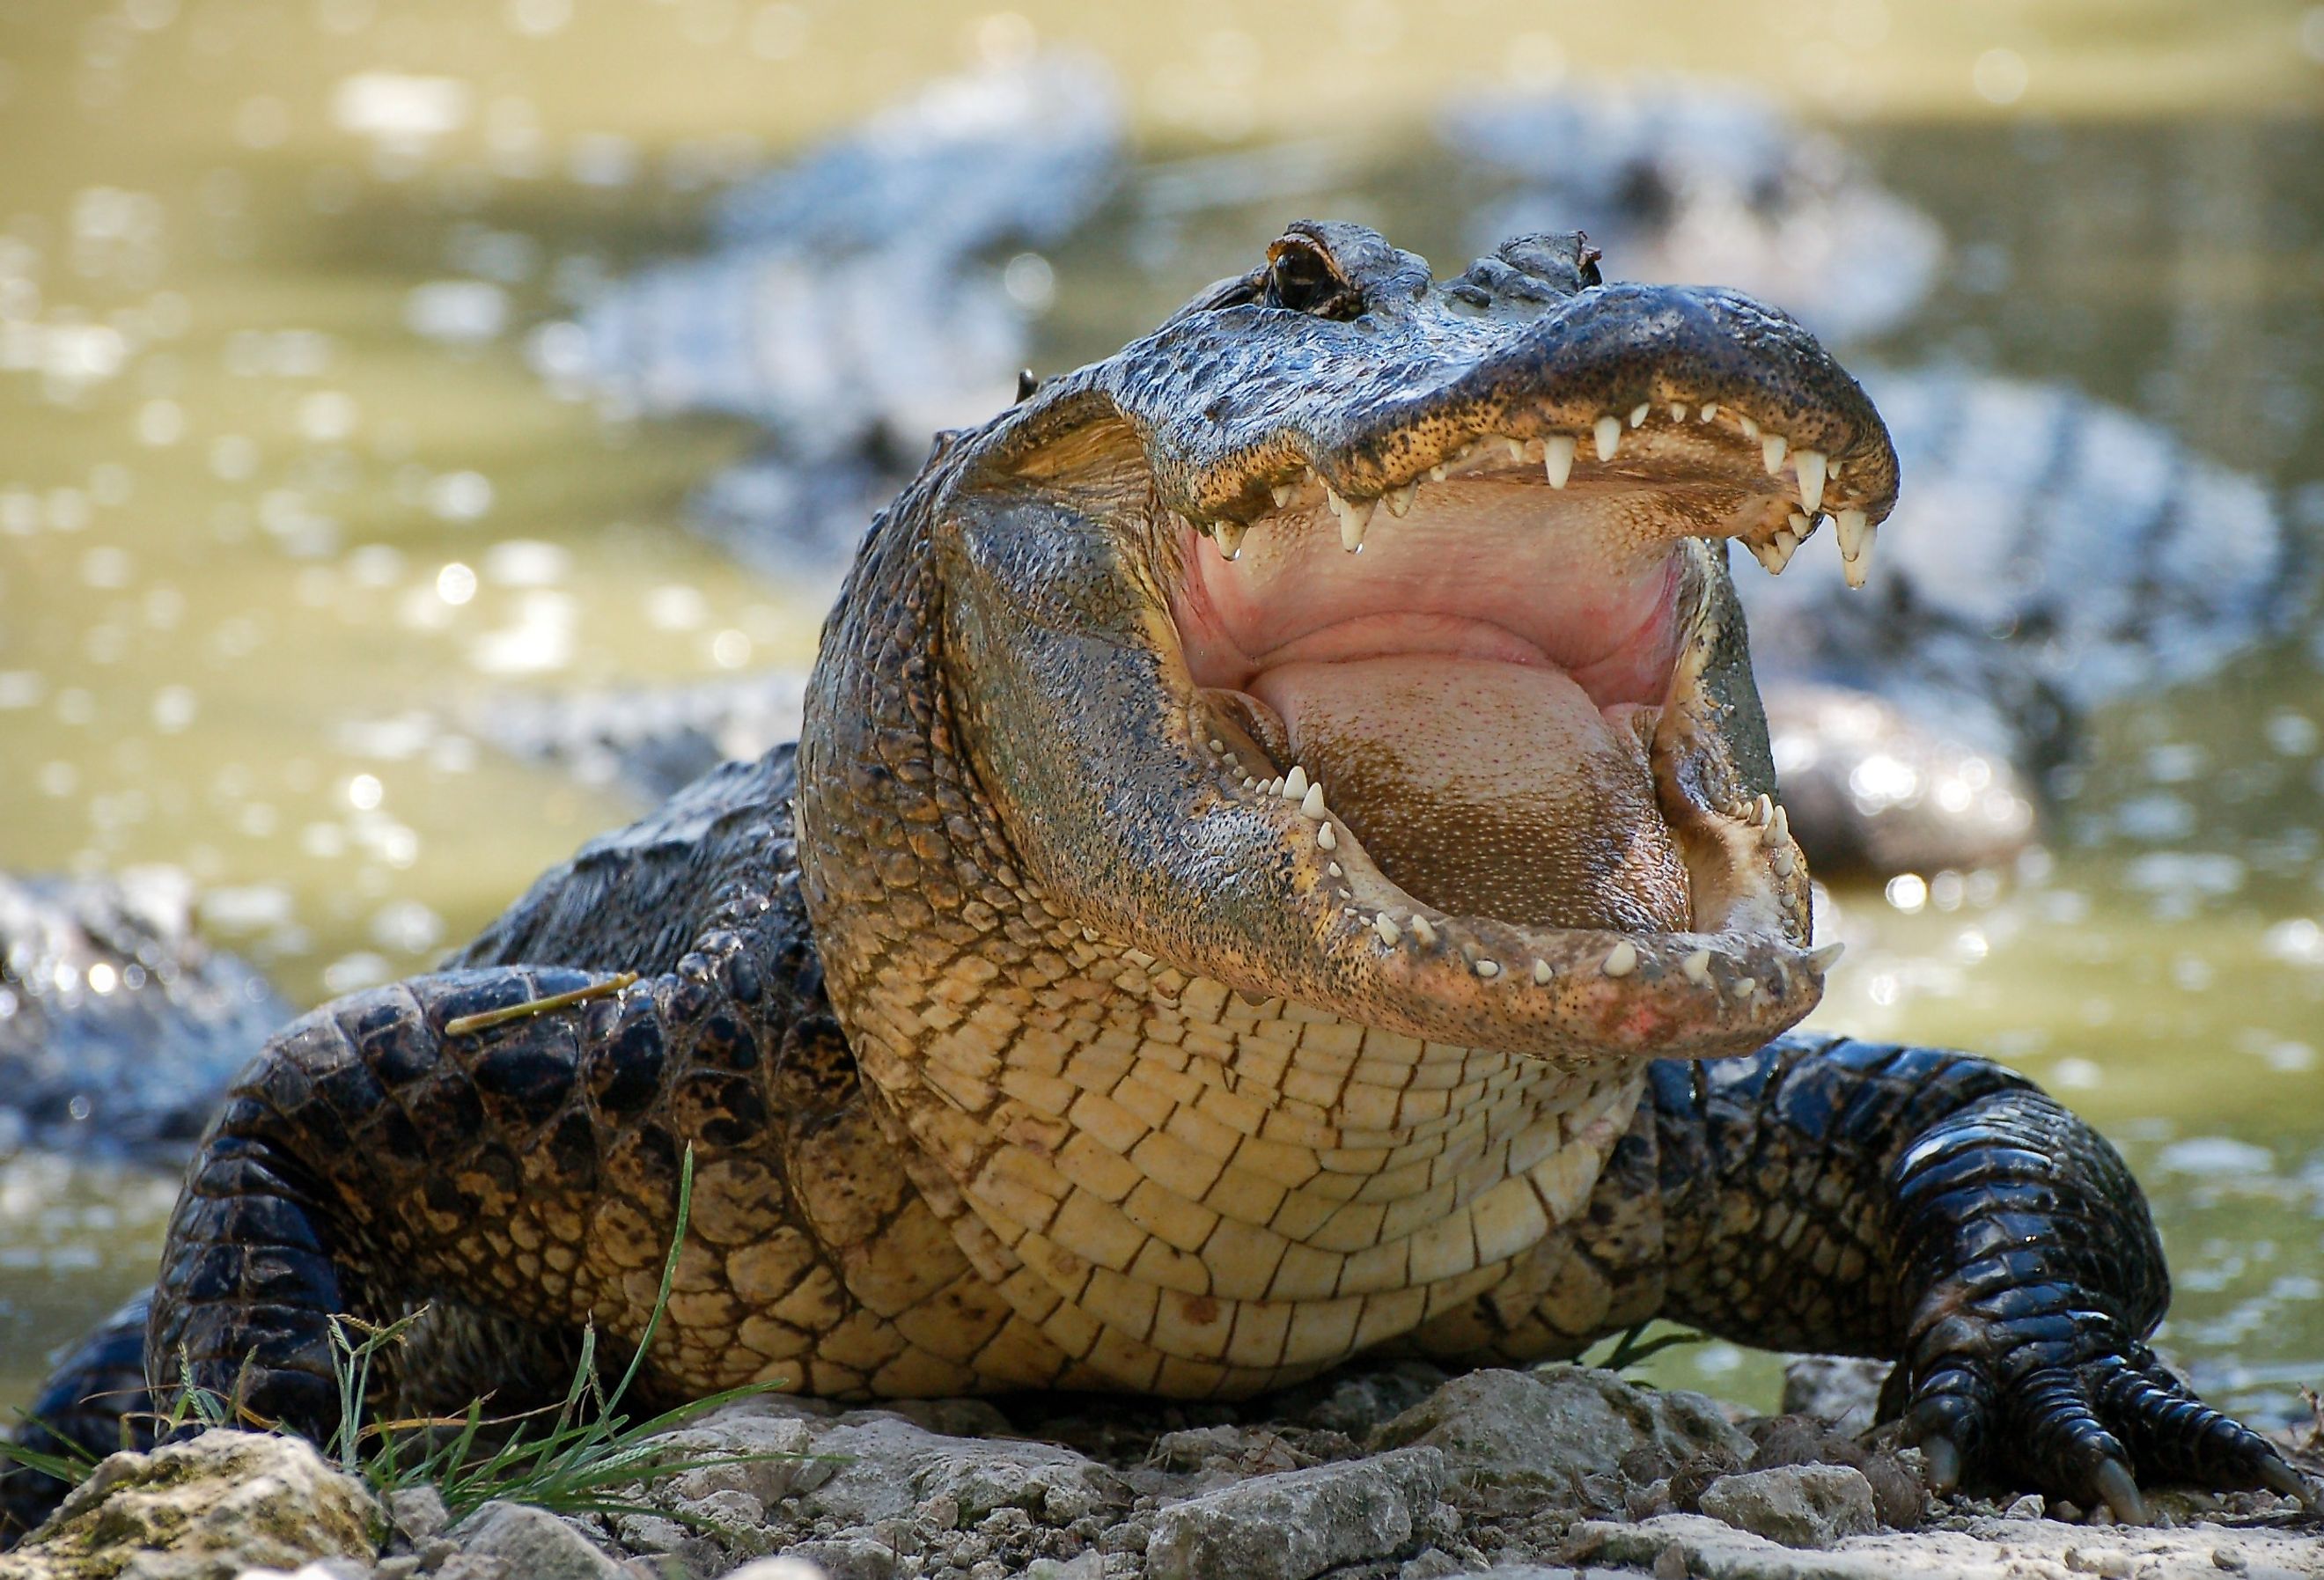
(1618, 377)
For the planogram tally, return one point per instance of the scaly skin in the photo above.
(1019, 1043)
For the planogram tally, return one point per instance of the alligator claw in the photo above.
(2116, 1485)
(2279, 1477)
(1944, 1460)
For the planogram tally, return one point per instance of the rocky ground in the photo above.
(1398, 1474)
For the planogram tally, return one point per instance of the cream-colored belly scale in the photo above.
(1160, 1187)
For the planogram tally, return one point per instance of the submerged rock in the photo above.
(118, 1024)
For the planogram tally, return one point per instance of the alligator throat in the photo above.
(1479, 684)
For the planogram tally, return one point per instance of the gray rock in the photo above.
(417, 1511)
(207, 1509)
(1297, 1523)
(767, 1458)
(1546, 1432)
(1088, 1565)
(1842, 1390)
(786, 1566)
(1710, 1550)
(533, 1543)
(1799, 1505)
(883, 1467)
(849, 1558)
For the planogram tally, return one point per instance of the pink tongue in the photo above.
(1487, 789)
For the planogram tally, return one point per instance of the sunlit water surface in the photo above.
(281, 499)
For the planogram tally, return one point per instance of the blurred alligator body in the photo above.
(118, 1026)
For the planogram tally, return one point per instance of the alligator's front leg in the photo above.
(1848, 1197)
(371, 1159)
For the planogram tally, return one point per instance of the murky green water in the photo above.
(264, 544)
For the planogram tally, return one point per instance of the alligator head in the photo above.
(1363, 641)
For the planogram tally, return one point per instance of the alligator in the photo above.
(1280, 864)
(118, 1026)
(846, 302)
(1692, 177)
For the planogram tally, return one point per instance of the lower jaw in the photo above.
(1720, 971)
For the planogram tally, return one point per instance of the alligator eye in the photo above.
(1302, 277)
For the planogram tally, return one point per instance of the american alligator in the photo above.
(118, 1026)
(1280, 864)
(1914, 730)
(852, 303)
(1698, 179)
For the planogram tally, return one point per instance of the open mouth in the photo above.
(1485, 706)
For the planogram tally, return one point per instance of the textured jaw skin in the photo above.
(1520, 407)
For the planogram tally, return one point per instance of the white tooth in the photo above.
(1779, 827)
(1810, 469)
(1250, 784)
(1557, 458)
(1856, 565)
(1423, 932)
(1310, 805)
(1803, 527)
(1745, 987)
(1621, 959)
(1678, 410)
(1542, 973)
(1852, 531)
(1217, 744)
(1824, 957)
(1516, 448)
(1230, 536)
(1400, 500)
(1488, 968)
(1283, 493)
(1334, 869)
(1709, 410)
(1771, 453)
(1436, 473)
(1763, 811)
(1637, 413)
(1355, 515)
(1325, 837)
(1780, 552)
(1295, 783)
(1385, 925)
(1767, 554)
(1784, 862)
(1608, 431)
(1750, 427)
(1858, 570)
(1697, 968)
